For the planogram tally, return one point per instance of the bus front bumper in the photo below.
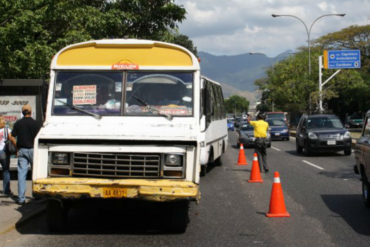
(152, 190)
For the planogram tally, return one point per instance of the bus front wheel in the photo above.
(56, 215)
(178, 216)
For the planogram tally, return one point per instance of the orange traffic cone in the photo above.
(255, 173)
(277, 205)
(242, 161)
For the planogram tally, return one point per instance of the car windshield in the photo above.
(276, 122)
(246, 127)
(149, 93)
(81, 93)
(355, 118)
(324, 122)
(275, 115)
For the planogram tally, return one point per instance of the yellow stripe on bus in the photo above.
(109, 54)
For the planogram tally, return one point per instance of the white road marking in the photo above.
(313, 165)
(275, 148)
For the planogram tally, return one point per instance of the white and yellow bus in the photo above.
(127, 119)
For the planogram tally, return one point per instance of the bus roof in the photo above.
(124, 54)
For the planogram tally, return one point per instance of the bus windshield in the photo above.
(93, 92)
(101, 93)
(159, 93)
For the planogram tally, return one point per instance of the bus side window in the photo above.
(208, 103)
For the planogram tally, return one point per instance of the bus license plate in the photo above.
(114, 192)
(332, 142)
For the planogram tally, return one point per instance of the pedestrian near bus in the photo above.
(260, 133)
(4, 156)
(25, 130)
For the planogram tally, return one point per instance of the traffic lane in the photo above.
(330, 164)
(331, 196)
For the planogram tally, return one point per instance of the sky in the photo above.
(231, 27)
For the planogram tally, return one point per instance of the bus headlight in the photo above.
(174, 166)
(59, 164)
(60, 158)
(173, 160)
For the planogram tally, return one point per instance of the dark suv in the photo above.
(362, 156)
(322, 133)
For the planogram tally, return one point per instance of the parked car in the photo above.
(246, 136)
(354, 121)
(230, 125)
(322, 133)
(362, 156)
(237, 121)
(278, 129)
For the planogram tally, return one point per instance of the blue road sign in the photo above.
(342, 59)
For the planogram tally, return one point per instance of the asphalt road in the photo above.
(321, 193)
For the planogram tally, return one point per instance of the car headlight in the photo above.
(284, 131)
(347, 135)
(60, 158)
(173, 160)
(312, 135)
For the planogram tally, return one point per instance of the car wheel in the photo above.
(347, 151)
(306, 149)
(298, 148)
(365, 192)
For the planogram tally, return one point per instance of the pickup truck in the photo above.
(362, 156)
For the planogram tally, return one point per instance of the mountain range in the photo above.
(237, 73)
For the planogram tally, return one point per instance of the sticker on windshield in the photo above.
(58, 87)
(118, 86)
(84, 95)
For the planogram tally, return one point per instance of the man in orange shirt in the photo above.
(260, 133)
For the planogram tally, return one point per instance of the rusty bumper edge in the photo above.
(152, 190)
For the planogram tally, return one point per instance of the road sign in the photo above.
(342, 59)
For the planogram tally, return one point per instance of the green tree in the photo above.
(32, 31)
(236, 104)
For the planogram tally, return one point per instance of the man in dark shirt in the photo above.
(25, 130)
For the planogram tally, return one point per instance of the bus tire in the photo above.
(178, 216)
(56, 215)
(203, 170)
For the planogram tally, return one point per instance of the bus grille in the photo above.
(116, 165)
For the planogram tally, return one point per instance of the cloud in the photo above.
(239, 26)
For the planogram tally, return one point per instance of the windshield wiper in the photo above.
(152, 109)
(97, 116)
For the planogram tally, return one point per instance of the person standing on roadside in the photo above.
(260, 133)
(4, 156)
(25, 130)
